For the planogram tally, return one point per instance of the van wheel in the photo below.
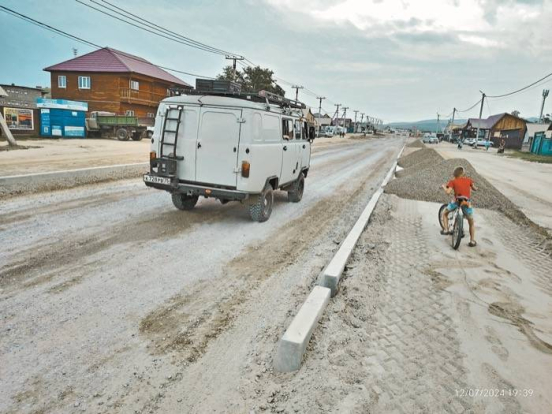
(261, 208)
(184, 202)
(296, 193)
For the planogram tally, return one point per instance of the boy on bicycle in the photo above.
(461, 186)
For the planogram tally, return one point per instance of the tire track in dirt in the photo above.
(41, 264)
(67, 205)
(188, 322)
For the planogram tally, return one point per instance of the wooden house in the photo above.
(114, 81)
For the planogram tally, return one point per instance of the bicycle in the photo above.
(455, 222)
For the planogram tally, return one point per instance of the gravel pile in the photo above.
(418, 160)
(424, 184)
(416, 144)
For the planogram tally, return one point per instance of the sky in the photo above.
(398, 60)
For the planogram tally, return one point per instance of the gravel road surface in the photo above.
(113, 301)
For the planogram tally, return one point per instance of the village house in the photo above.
(19, 108)
(507, 127)
(113, 81)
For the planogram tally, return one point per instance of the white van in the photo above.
(230, 147)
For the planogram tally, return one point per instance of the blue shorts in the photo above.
(468, 211)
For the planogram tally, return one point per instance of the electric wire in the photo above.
(521, 89)
(84, 41)
(146, 22)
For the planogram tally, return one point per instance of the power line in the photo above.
(520, 90)
(47, 27)
(146, 22)
(471, 107)
(171, 37)
(81, 40)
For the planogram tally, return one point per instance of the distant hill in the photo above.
(431, 124)
(427, 125)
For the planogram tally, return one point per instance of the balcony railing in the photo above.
(142, 97)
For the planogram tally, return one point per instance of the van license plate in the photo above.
(157, 180)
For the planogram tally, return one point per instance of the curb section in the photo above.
(334, 270)
(293, 344)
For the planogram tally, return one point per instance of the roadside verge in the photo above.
(57, 180)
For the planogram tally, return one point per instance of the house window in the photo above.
(150, 115)
(62, 82)
(134, 85)
(129, 112)
(84, 82)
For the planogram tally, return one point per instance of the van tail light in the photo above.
(245, 169)
(153, 155)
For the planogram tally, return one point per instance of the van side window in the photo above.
(287, 129)
(297, 130)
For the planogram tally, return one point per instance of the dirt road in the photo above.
(526, 184)
(113, 301)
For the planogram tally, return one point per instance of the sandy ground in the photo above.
(526, 184)
(113, 301)
(420, 328)
(47, 155)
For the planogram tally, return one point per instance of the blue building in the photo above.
(60, 118)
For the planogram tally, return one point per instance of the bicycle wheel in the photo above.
(443, 207)
(457, 232)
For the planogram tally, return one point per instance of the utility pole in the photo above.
(545, 93)
(480, 115)
(337, 112)
(234, 59)
(4, 126)
(344, 114)
(356, 126)
(438, 123)
(320, 98)
(452, 122)
(297, 87)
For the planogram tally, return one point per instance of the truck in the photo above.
(108, 124)
(231, 147)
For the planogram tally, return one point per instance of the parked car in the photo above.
(232, 148)
(481, 142)
(469, 141)
(430, 139)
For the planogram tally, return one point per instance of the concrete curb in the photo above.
(293, 344)
(57, 180)
(334, 270)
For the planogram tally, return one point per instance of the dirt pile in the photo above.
(422, 181)
(417, 161)
(416, 144)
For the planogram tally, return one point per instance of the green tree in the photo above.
(253, 79)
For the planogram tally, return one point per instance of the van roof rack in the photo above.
(261, 96)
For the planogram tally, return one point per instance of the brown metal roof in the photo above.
(114, 61)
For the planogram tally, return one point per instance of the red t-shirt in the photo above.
(461, 186)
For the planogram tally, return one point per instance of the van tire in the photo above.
(260, 207)
(184, 202)
(296, 193)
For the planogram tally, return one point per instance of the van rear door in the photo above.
(217, 145)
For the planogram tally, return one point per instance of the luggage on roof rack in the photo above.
(214, 85)
(261, 96)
